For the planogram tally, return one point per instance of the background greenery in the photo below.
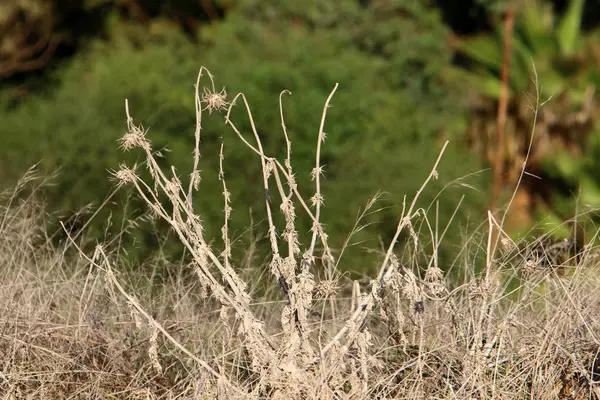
(412, 74)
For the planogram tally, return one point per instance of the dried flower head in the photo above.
(173, 186)
(317, 171)
(124, 175)
(317, 199)
(136, 137)
(270, 166)
(327, 288)
(530, 266)
(410, 287)
(215, 101)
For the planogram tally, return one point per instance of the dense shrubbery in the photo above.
(562, 161)
(382, 131)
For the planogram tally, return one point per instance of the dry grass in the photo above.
(72, 327)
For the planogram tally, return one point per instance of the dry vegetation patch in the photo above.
(72, 326)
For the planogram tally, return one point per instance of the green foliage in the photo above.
(382, 131)
(563, 153)
(569, 29)
(540, 38)
(392, 103)
(580, 181)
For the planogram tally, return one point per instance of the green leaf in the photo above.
(483, 49)
(569, 29)
(552, 223)
(484, 82)
(563, 164)
(520, 64)
(536, 24)
(590, 191)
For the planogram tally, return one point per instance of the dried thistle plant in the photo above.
(459, 337)
(289, 360)
(215, 101)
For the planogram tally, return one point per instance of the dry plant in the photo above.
(520, 325)
(294, 363)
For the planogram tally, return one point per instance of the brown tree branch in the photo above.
(502, 110)
(27, 56)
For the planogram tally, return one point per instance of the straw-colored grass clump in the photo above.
(74, 327)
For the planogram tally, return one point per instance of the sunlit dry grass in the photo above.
(73, 326)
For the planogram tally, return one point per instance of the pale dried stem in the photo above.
(536, 109)
(268, 167)
(194, 176)
(289, 214)
(242, 299)
(105, 262)
(227, 212)
(317, 176)
(266, 164)
(271, 165)
(354, 323)
(275, 161)
(485, 311)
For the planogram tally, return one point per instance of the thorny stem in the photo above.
(288, 162)
(317, 176)
(359, 316)
(275, 161)
(198, 103)
(241, 296)
(264, 162)
(227, 211)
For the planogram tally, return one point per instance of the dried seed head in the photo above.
(507, 244)
(136, 137)
(317, 199)
(478, 289)
(215, 101)
(288, 267)
(270, 166)
(287, 208)
(530, 267)
(291, 182)
(410, 287)
(412, 232)
(307, 259)
(278, 267)
(327, 288)
(124, 175)
(317, 171)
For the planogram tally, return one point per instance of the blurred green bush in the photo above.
(563, 178)
(387, 124)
